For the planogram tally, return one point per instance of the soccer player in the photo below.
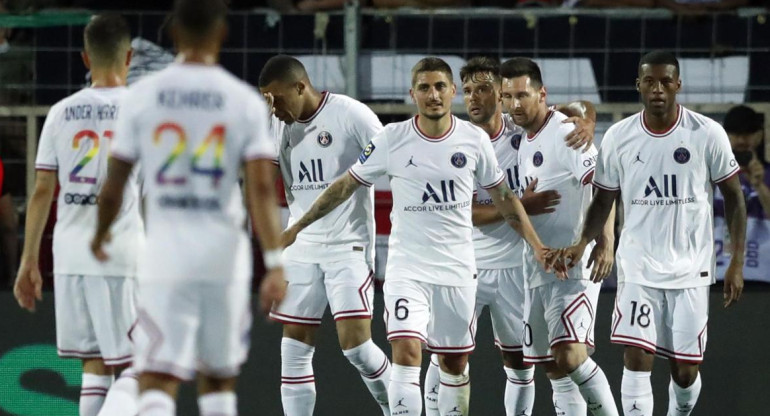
(331, 262)
(192, 126)
(434, 161)
(559, 313)
(665, 160)
(93, 300)
(498, 249)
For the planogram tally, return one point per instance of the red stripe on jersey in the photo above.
(666, 131)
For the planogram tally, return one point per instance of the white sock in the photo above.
(455, 393)
(297, 379)
(221, 403)
(156, 403)
(519, 391)
(404, 391)
(122, 398)
(93, 390)
(636, 393)
(374, 367)
(432, 386)
(595, 389)
(567, 400)
(681, 400)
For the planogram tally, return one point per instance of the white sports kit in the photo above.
(331, 261)
(666, 254)
(192, 127)
(430, 282)
(94, 301)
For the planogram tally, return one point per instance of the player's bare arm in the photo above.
(110, 200)
(603, 254)
(337, 193)
(583, 115)
(262, 201)
(595, 221)
(535, 203)
(29, 283)
(735, 214)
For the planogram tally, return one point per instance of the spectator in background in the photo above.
(9, 238)
(745, 128)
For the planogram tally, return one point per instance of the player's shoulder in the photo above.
(624, 128)
(78, 98)
(692, 120)
(469, 129)
(555, 122)
(345, 102)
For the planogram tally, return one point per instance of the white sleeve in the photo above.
(260, 142)
(581, 164)
(365, 124)
(125, 144)
(275, 130)
(46, 149)
(719, 156)
(488, 172)
(373, 161)
(607, 175)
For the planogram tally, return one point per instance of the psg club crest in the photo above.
(516, 141)
(682, 155)
(324, 138)
(459, 160)
(537, 159)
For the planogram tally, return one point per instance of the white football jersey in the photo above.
(75, 142)
(498, 246)
(557, 167)
(432, 181)
(192, 127)
(312, 154)
(666, 180)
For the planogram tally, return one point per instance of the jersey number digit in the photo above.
(643, 318)
(401, 311)
(76, 142)
(216, 137)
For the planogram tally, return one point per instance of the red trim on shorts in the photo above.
(404, 334)
(78, 354)
(508, 348)
(118, 360)
(537, 359)
(287, 319)
(368, 282)
(567, 323)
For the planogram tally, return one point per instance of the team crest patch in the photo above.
(459, 160)
(516, 141)
(366, 153)
(537, 159)
(324, 138)
(681, 155)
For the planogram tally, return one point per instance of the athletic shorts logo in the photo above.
(324, 138)
(537, 159)
(366, 153)
(516, 141)
(682, 155)
(459, 160)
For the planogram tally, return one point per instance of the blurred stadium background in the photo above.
(586, 53)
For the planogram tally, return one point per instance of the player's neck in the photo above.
(493, 126)
(661, 122)
(435, 127)
(537, 122)
(312, 102)
(197, 56)
(106, 78)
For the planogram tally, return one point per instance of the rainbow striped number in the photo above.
(76, 142)
(216, 138)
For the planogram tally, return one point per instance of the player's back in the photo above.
(75, 141)
(191, 127)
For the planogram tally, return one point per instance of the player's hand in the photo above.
(272, 290)
(28, 286)
(289, 236)
(602, 258)
(537, 203)
(270, 100)
(567, 258)
(755, 172)
(733, 284)
(582, 135)
(97, 246)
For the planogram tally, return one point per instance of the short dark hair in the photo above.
(283, 68)
(198, 17)
(431, 64)
(659, 57)
(483, 65)
(106, 37)
(741, 120)
(519, 67)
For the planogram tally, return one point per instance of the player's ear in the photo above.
(86, 60)
(678, 85)
(411, 94)
(637, 84)
(543, 94)
(454, 89)
(300, 86)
